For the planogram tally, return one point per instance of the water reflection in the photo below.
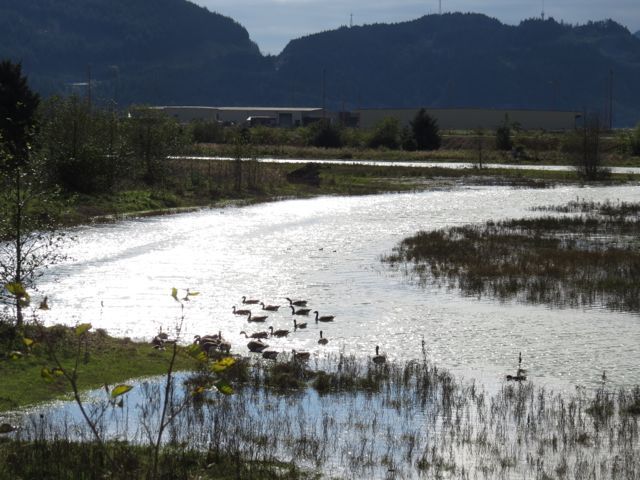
(327, 250)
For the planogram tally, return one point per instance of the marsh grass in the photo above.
(587, 257)
(399, 420)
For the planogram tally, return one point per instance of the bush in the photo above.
(324, 134)
(207, 131)
(385, 134)
(634, 142)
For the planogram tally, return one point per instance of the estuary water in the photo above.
(327, 250)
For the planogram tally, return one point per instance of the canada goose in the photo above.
(300, 311)
(224, 347)
(241, 312)
(270, 354)
(324, 318)
(379, 359)
(158, 343)
(256, 346)
(249, 302)
(323, 341)
(278, 333)
(44, 305)
(297, 325)
(255, 334)
(303, 356)
(270, 308)
(297, 303)
(259, 318)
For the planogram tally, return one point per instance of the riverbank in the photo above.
(198, 183)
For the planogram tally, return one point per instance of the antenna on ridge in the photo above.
(542, 10)
(439, 7)
(351, 21)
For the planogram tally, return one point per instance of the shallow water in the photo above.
(327, 250)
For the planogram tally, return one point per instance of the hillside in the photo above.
(174, 52)
(470, 60)
(140, 50)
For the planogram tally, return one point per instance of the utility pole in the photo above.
(89, 86)
(439, 7)
(324, 92)
(610, 99)
(351, 21)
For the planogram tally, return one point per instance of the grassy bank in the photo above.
(199, 183)
(103, 360)
(588, 258)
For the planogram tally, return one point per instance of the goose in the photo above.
(323, 341)
(256, 346)
(303, 356)
(255, 334)
(249, 302)
(241, 312)
(516, 378)
(259, 318)
(300, 311)
(297, 303)
(324, 318)
(297, 325)
(158, 343)
(270, 354)
(379, 359)
(270, 308)
(224, 347)
(278, 333)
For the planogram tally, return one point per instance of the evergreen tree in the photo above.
(425, 131)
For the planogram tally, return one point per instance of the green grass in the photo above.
(104, 360)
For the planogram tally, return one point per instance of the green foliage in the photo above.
(18, 105)
(425, 131)
(634, 141)
(325, 134)
(385, 134)
(207, 131)
(407, 140)
(504, 141)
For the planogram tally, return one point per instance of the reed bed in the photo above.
(589, 256)
(397, 420)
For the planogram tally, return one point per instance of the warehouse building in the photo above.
(252, 116)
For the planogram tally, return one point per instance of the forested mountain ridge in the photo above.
(470, 60)
(174, 52)
(155, 49)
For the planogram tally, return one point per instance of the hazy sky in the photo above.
(272, 23)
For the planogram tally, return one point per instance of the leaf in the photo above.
(192, 294)
(174, 294)
(27, 342)
(83, 328)
(58, 372)
(16, 289)
(198, 391)
(15, 355)
(25, 300)
(197, 353)
(222, 364)
(47, 375)
(224, 387)
(120, 390)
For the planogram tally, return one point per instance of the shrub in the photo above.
(426, 133)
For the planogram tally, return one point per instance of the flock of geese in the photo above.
(256, 344)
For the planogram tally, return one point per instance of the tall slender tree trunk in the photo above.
(18, 243)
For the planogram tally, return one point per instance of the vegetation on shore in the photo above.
(347, 418)
(587, 257)
(105, 360)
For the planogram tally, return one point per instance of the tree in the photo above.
(503, 136)
(584, 146)
(385, 134)
(425, 131)
(27, 208)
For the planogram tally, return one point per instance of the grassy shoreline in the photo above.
(203, 185)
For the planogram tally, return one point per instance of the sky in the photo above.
(272, 23)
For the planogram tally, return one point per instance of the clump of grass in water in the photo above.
(405, 419)
(564, 261)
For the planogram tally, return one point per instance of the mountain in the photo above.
(470, 60)
(142, 50)
(637, 34)
(174, 52)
